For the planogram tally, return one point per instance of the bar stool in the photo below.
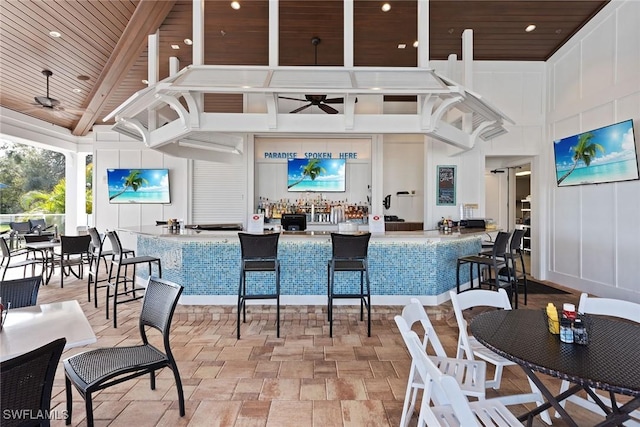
(349, 253)
(118, 261)
(97, 254)
(491, 261)
(259, 253)
(515, 253)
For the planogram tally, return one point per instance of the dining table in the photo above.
(28, 328)
(608, 361)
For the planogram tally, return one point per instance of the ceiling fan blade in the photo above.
(293, 99)
(45, 101)
(327, 109)
(72, 111)
(334, 101)
(297, 110)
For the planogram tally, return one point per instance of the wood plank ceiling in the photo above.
(94, 71)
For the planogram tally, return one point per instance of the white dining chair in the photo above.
(450, 405)
(469, 347)
(606, 307)
(470, 374)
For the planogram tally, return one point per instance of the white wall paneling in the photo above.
(219, 192)
(404, 171)
(595, 232)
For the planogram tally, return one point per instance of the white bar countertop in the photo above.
(213, 235)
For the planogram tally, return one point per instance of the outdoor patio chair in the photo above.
(20, 292)
(450, 405)
(27, 381)
(102, 368)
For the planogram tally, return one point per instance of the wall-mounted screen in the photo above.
(319, 175)
(606, 154)
(138, 185)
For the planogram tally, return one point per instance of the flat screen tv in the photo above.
(138, 185)
(294, 222)
(606, 154)
(316, 175)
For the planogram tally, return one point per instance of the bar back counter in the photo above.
(402, 265)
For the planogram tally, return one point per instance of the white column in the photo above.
(467, 58)
(198, 32)
(348, 33)
(423, 33)
(174, 65)
(153, 71)
(274, 24)
(72, 194)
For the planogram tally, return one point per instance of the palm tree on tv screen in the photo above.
(312, 170)
(133, 180)
(584, 150)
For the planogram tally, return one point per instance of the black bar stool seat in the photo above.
(491, 261)
(119, 267)
(350, 253)
(259, 253)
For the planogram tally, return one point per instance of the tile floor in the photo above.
(303, 378)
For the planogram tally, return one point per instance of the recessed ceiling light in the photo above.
(402, 45)
(188, 42)
(55, 34)
(530, 28)
(175, 46)
(77, 90)
(145, 81)
(386, 7)
(523, 173)
(235, 5)
(83, 77)
(415, 43)
(375, 88)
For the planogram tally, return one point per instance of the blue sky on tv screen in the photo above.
(332, 179)
(615, 161)
(154, 190)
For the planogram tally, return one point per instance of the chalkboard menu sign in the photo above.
(446, 186)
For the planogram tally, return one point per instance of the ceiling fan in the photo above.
(52, 104)
(320, 101)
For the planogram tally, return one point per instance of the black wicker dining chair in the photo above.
(349, 253)
(102, 368)
(27, 381)
(74, 251)
(20, 292)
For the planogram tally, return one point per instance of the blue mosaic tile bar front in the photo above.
(397, 266)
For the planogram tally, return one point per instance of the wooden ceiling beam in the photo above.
(146, 19)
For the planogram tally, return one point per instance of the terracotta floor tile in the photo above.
(354, 369)
(369, 413)
(280, 389)
(327, 413)
(238, 369)
(235, 353)
(141, 414)
(216, 413)
(339, 353)
(346, 389)
(325, 369)
(287, 353)
(290, 414)
(296, 369)
(313, 389)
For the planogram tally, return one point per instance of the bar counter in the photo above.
(402, 264)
